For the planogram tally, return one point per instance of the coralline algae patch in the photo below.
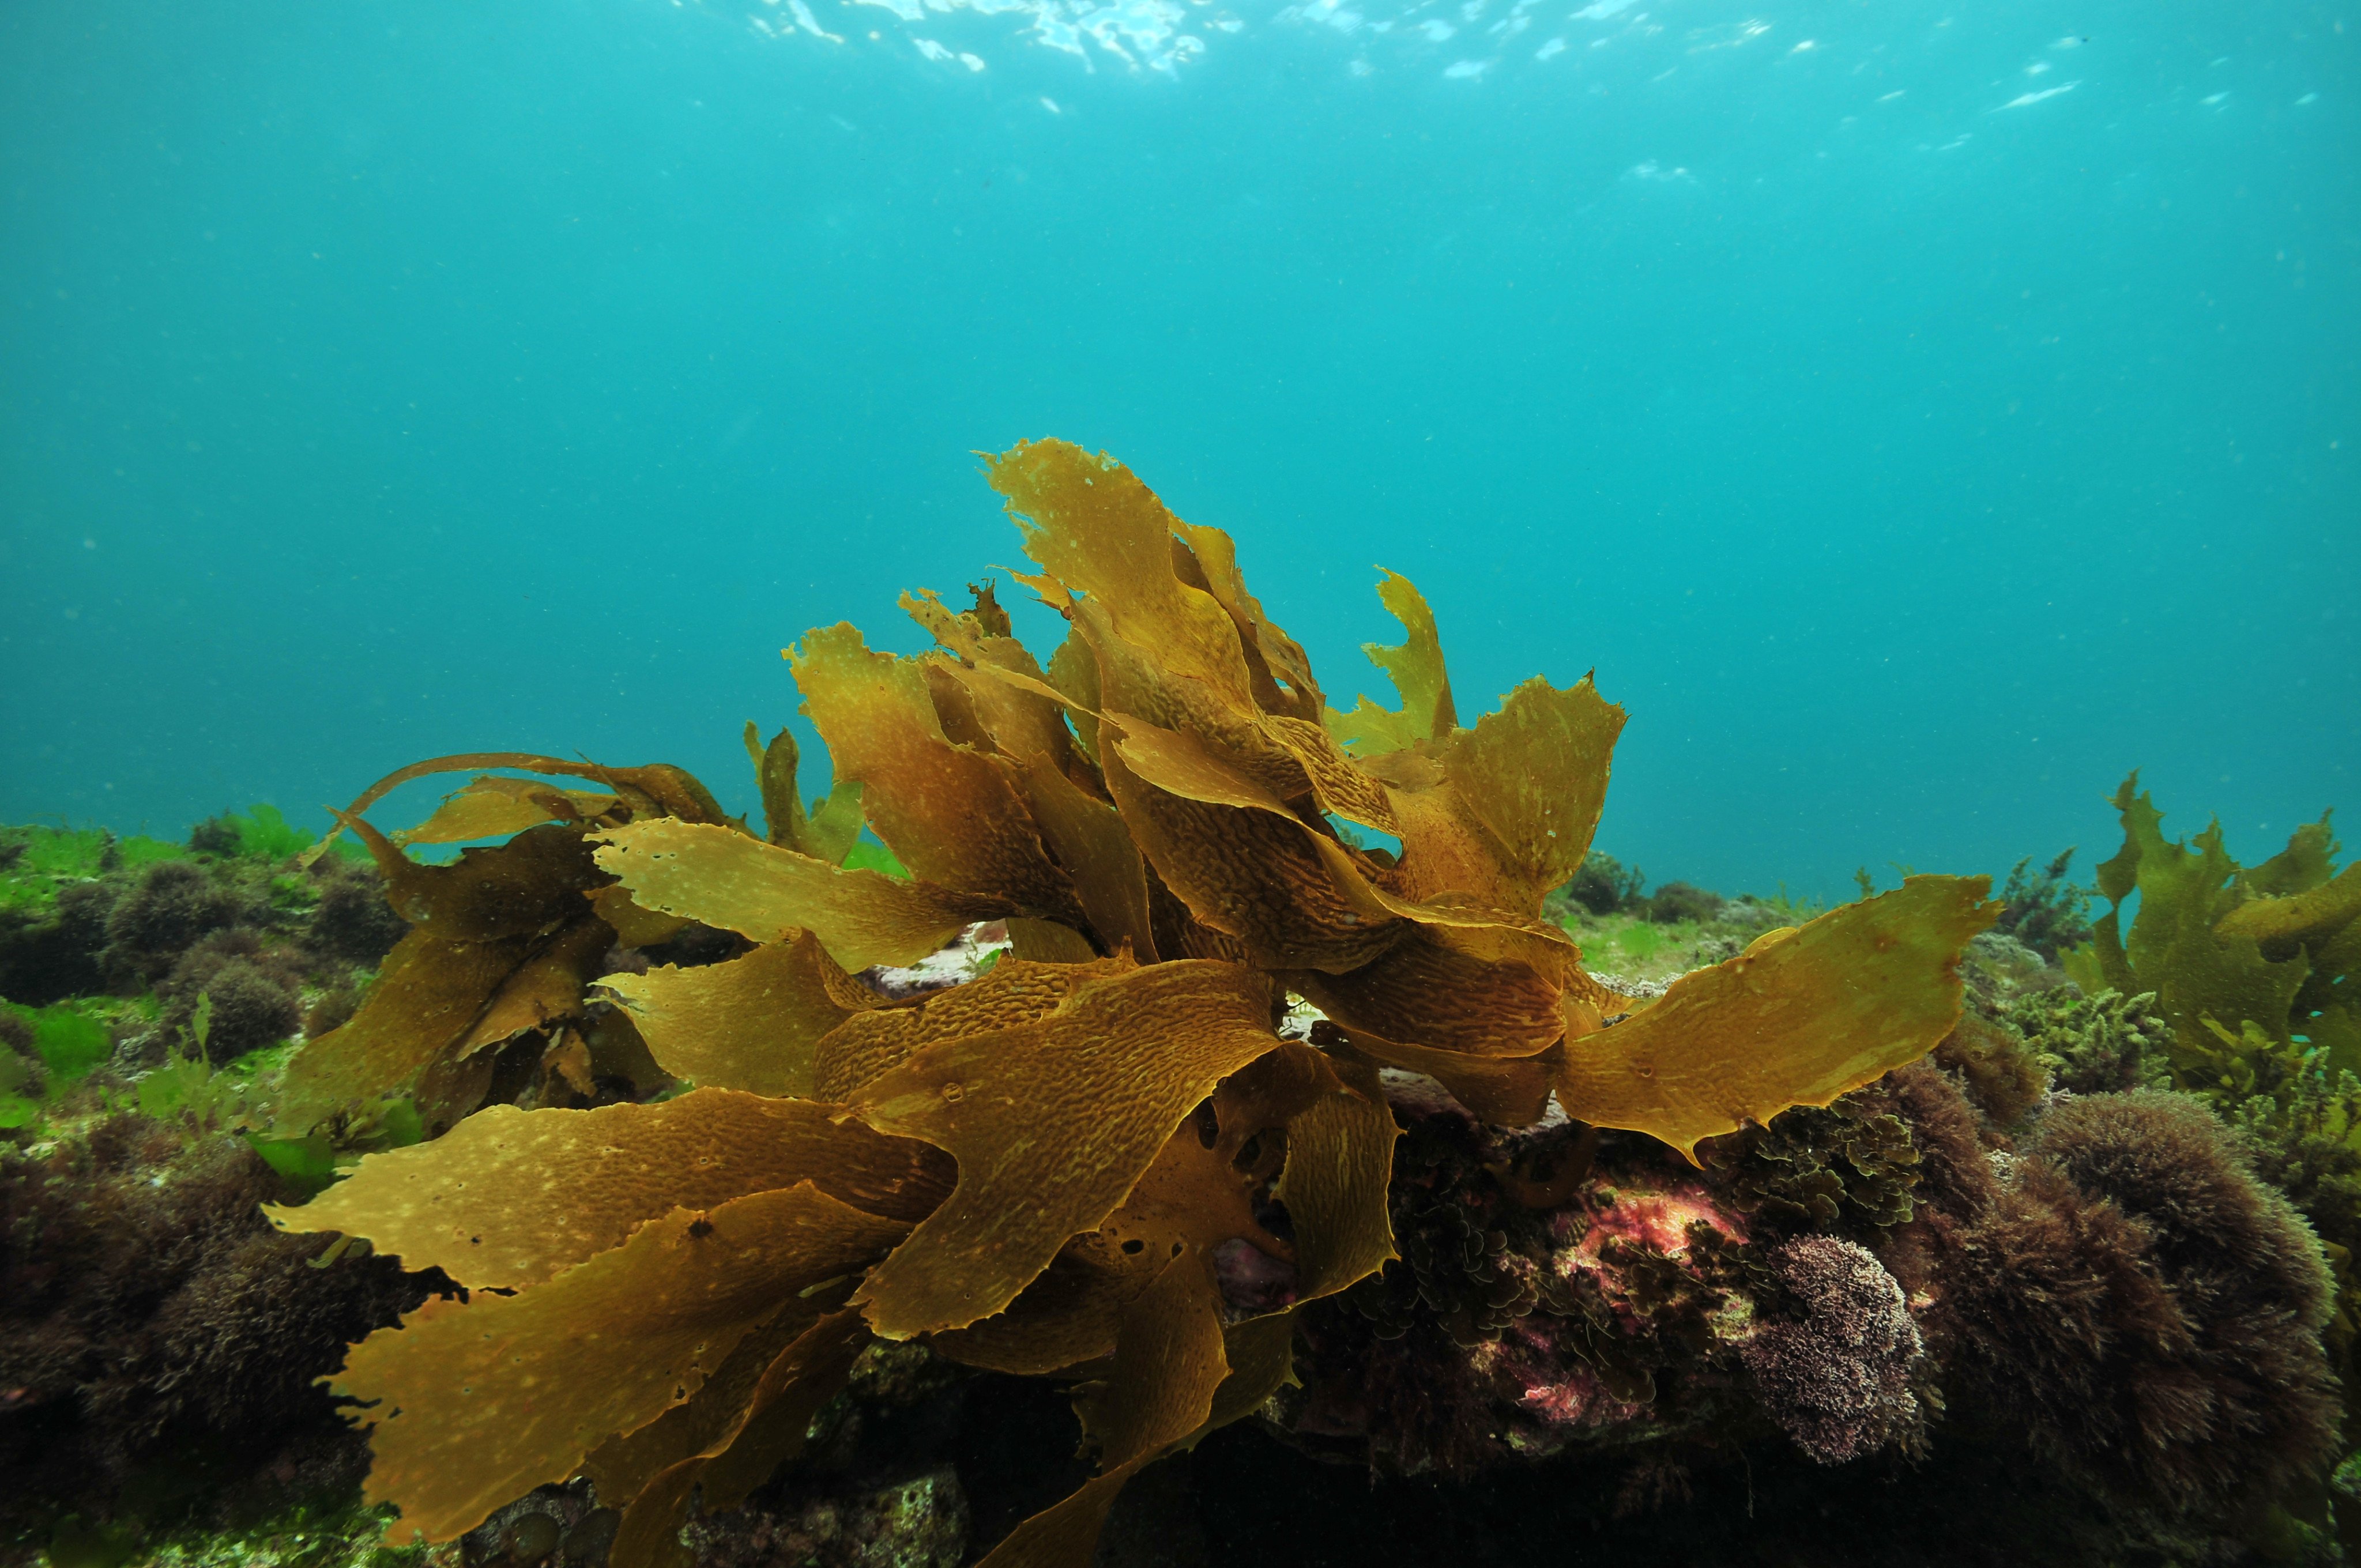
(1657, 1219)
(1610, 1315)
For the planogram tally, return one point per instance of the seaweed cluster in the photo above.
(2240, 977)
(2147, 1311)
(152, 1324)
(2044, 910)
(1099, 1161)
(1837, 1377)
(1555, 1288)
(232, 918)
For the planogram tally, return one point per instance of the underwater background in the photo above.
(1917, 416)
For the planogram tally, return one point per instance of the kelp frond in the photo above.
(1032, 1171)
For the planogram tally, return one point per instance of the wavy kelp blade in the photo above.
(1507, 1092)
(1169, 1366)
(511, 1198)
(735, 1455)
(1280, 670)
(624, 1466)
(1243, 862)
(1096, 850)
(807, 1376)
(2282, 926)
(1535, 774)
(1051, 1122)
(1416, 670)
(1074, 675)
(1235, 855)
(2197, 971)
(494, 807)
(634, 927)
(1065, 1318)
(1197, 1196)
(948, 810)
(1261, 1354)
(1794, 1021)
(1429, 991)
(2309, 860)
(533, 884)
(752, 1022)
(1340, 1154)
(547, 988)
(659, 788)
(476, 1403)
(1005, 687)
(427, 997)
(725, 878)
(1105, 536)
(834, 822)
(1013, 992)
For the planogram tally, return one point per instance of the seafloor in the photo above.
(2027, 1300)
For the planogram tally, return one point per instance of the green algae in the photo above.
(337, 1534)
(35, 861)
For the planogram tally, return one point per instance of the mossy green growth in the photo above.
(2102, 1043)
(336, 1534)
(35, 861)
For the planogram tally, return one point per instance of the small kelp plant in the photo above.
(1039, 1170)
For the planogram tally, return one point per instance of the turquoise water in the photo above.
(1917, 415)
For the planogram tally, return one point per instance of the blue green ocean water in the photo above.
(1917, 414)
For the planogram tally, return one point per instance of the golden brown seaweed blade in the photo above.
(427, 997)
(1191, 1199)
(1169, 1366)
(805, 1376)
(1417, 672)
(546, 987)
(734, 1442)
(2281, 925)
(1065, 1318)
(623, 1466)
(1284, 681)
(1014, 704)
(728, 879)
(1090, 842)
(511, 1198)
(829, 832)
(1798, 1020)
(1236, 856)
(1535, 774)
(659, 788)
(1013, 992)
(1428, 990)
(1105, 536)
(495, 807)
(1194, 1196)
(1507, 1092)
(533, 884)
(752, 1022)
(948, 810)
(1053, 1123)
(478, 1403)
(1340, 1153)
